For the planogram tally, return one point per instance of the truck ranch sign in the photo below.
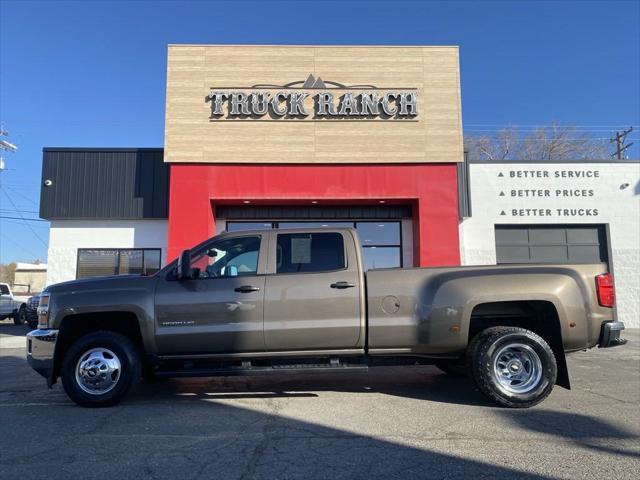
(313, 100)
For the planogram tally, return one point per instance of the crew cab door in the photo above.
(6, 300)
(220, 309)
(314, 292)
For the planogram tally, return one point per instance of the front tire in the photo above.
(21, 316)
(100, 369)
(512, 366)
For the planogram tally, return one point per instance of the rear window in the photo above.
(309, 252)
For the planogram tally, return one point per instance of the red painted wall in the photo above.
(195, 189)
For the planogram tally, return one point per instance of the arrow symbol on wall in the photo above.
(500, 174)
(502, 213)
(501, 194)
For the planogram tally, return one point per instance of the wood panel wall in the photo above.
(193, 70)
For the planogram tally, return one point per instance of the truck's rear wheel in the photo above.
(513, 366)
(20, 316)
(100, 368)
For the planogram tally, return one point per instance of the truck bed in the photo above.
(429, 310)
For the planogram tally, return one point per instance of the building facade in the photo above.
(29, 278)
(107, 210)
(368, 137)
(576, 212)
(353, 135)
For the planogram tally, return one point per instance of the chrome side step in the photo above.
(247, 367)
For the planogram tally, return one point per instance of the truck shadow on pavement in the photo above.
(421, 383)
(186, 429)
(585, 431)
(10, 329)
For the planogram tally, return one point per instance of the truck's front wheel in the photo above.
(513, 366)
(100, 368)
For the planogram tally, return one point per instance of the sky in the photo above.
(92, 74)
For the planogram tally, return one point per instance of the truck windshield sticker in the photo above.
(301, 250)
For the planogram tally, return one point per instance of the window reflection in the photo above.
(379, 233)
(381, 257)
(242, 226)
(315, 224)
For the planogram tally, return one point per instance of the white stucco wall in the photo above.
(67, 236)
(612, 196)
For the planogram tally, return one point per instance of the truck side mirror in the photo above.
(183, 268)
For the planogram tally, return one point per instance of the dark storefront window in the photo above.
(381, 241)
(117, 261)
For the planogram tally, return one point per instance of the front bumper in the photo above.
(41, 346)
(610, 335)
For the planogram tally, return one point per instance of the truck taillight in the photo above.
(43, 312)
(605, 290)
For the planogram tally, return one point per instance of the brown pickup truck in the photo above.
(299, 300)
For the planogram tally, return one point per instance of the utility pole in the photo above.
(620, 146)
(5, 146)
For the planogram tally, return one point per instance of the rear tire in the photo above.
(100, 369)
(512, 366)
(21, 315)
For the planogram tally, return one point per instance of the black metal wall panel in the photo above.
(104, 183)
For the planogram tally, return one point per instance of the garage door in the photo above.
(551, 244)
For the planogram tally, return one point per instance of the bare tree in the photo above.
(546, 143)
(7, 273)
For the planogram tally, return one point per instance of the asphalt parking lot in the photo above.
(388, 423)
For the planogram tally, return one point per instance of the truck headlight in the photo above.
(43, 312)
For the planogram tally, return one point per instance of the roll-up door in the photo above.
(551, 244)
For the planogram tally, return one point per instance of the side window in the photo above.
(227, 257)
(4, 290)
(309, 252)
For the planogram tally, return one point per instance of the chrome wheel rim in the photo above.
(98, 371)
(517, 368)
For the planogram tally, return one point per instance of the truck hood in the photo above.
(96, 283)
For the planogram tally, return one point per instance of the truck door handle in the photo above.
(342, 285)
(247, 289)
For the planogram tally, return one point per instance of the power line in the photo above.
(23, 196)
(22, 211)
(23, 219)
(20, 247)
(602, 139)
(4, 220)
(542, 125)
